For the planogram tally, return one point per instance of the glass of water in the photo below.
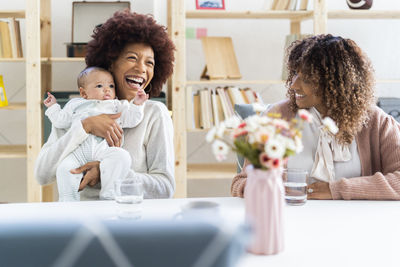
(129, 197)
(295, 182)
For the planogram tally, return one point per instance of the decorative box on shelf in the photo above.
(85, 17)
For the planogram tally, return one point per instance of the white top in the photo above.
(80, 108)
(346, 160)
(150, 145)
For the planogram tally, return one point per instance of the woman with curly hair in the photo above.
(139, 54)
(331, 76)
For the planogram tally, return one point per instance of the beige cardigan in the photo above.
(379, 149)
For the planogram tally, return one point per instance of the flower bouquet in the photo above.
(266, 141)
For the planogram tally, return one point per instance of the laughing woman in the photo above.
(140, 55)
(331, 76)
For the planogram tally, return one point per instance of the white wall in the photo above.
(259, 49)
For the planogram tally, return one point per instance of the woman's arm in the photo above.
(159, 180)
(239, 182)
(61, 143)
(381, 160)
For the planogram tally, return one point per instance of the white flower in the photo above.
(330, 125)
(274, 149)
(299, 144)
(211, 134)
(221, 130)
(305, 115)
(220, 150)
(281, 123)
(253, 123)
(257, 107)
(232, 122)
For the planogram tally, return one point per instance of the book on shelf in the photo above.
(291, 5)
(5, 40)
(189, 107)
(196, 110)
(303, 5)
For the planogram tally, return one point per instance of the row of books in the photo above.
(289, 5)
(10, 38)
(210, 106)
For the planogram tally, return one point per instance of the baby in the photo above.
(97, 90)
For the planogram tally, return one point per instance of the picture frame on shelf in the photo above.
(210, 4)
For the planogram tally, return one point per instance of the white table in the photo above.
(320, 233)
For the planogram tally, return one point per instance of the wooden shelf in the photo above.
(364, 14)
(12, 14)
(14, 106)
(211, 171)
(224, 82)
(46, 59)
(216, 14)
(12, 151)
(235, 82)
(64, 59)
(19, 59)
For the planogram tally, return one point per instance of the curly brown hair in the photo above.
(342, 76)
(123, 28)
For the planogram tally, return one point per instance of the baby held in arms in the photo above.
(97, 91)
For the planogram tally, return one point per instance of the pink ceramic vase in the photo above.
(264, 199)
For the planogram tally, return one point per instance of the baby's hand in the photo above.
(50, 100)
(140, 97)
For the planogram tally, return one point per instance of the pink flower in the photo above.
(264, 159)
(239, 132)
(305, 115)
(242, 125)
(275, 163)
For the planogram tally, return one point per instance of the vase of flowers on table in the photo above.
(266, 141)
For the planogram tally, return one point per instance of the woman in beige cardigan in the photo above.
(331, 76)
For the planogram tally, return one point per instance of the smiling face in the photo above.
(133, 69)
(305, 94)
(98, 85)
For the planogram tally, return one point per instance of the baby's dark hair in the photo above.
(81, 80)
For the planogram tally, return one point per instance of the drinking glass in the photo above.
(129, 197)
(295, 182)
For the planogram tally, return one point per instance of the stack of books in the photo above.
(210, 106)
(10, 38)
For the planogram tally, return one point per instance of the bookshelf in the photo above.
(177, 16)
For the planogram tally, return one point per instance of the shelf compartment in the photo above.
(14, 106)
(19, 14)
(216, 14)
(200, 82)
(12, 151)
(364, 14)
(211, 171)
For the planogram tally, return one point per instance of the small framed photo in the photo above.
(210, 4)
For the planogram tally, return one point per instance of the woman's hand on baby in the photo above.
(50, 100)
(105, 126)
(140, 97)
(91, 174)
(319, 190)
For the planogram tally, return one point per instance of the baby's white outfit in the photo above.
(115, 162)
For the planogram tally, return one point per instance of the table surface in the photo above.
(320, 233)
